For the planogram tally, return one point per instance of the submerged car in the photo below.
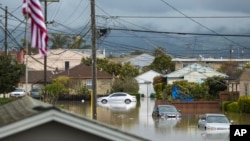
(117, 97)
(35, 93)
(166, 111)
(18, 92)
(213, 121)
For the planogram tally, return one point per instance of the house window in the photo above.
(246, 88)
(89, 83)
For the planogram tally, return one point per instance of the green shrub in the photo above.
(244, 104)
(225, 105)
(158, 90)
(233, 107)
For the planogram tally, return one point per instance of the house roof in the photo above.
(206, 71)
(80, 71)
(27, 113)
(83, 71)
(142, 60)
(36, 77)
(147, 76)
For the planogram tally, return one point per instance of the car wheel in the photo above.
(104, 101)
(127, 101)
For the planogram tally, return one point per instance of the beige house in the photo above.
(27, 119)
(244, 85)
(60, 59)
(79, 75)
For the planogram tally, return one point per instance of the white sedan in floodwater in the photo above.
(117, 97)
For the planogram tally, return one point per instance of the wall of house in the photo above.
(244, 88)
(103, 86)
(54, 131)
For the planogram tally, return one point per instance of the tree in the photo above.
(57, 87)
(117, 69)
(59, 40)
(159, 51)
(77, 42)
(161, 64)
(230, 67)
(10, 73)
(127, 84)
(215, 84)
(128, 70)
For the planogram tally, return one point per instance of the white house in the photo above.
(145, 82)
(192, 73)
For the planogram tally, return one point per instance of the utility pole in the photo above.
(45, 20)
(6, 31)
(93, 28)
(45, 56)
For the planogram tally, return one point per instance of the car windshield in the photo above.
(167, 109)
(217, 119)
(35, 90)
(19, 90)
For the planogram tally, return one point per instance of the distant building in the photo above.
(208, 62)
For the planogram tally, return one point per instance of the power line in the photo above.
(181, 33)
(179, 17)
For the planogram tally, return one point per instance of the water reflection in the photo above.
(118, 106)
(137, 119)
(215, 135)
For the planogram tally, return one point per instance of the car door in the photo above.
(114, 97)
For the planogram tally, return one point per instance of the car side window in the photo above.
(114, 95)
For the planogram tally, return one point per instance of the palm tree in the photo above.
(59, 40)
(77, 42)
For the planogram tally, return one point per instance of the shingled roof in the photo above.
(27, 113)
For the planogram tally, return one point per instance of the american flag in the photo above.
(39, 34)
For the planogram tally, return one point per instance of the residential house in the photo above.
(35, 79)
(145, 82)
(60, 59)
(244, 82)
(82, 75)
(29, 119)
(79, 75)
(192, 73)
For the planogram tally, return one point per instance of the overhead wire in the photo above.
(209, 29)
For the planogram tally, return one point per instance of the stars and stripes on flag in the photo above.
(39, 35)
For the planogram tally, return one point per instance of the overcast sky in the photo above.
(195, 16)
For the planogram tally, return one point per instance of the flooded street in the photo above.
(136, 118)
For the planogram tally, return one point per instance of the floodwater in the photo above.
(136, 118)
